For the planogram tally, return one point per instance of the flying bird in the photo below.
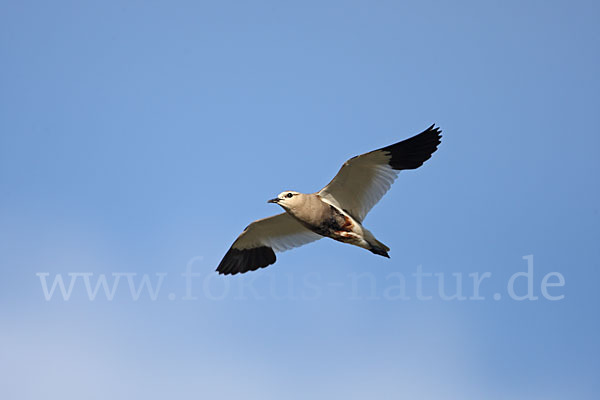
(336, 211)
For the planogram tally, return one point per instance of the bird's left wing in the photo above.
(255, 248)
(363, 180)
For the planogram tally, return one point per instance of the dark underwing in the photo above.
(243, 260)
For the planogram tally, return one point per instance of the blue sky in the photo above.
(140, 137)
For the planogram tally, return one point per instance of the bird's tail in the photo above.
(376, 247)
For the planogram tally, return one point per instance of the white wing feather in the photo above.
(280, 232)
(363, 180)
(361, 183)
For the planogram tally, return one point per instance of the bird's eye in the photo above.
(289, 195)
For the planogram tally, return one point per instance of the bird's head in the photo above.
(288, 199)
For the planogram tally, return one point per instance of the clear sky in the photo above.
(142, 137)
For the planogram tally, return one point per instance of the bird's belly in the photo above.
(340, 227)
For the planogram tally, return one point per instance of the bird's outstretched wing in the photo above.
(363, 180)
(255, 248)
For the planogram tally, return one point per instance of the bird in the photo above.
(337, 211)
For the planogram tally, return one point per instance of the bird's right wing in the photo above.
(363, 180)
(255, 248)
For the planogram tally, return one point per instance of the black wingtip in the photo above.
(434, 129)
(413, 152)
(243, 260)
(380, 251)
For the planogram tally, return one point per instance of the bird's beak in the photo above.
(275, 200)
